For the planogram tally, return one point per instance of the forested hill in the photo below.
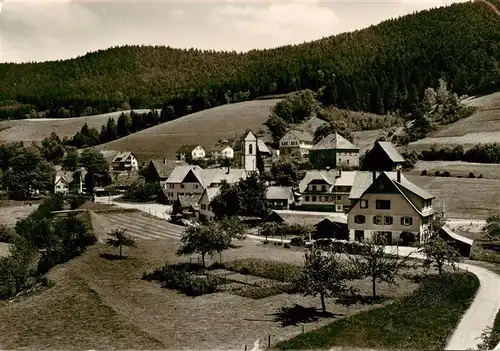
(379, 68)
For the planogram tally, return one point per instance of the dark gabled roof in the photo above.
(187, 148)
(334, 141)
(163, 169)
(391, 151)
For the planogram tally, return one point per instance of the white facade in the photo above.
(198, 152)
(249, 156)
(290, 144)
(61, 186)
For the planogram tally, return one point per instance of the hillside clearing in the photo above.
(37, 129)
(462, 197)
(482, 127)
(204, 127)
(459, 168)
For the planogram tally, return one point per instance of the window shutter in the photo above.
(402, 221)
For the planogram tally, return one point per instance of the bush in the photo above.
(77, 201)
(286, 246)
(183, 281)
(260, 292)
(6, 233)
(480, 176)
(471, 175)
(424, 172)
(297, 241)
(280, 271)
(437, 173)
(445, 174)
(143, 192)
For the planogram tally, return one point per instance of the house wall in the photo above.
(326, 201)
(175, 189)
(278, 204)
(347, 158)
(321, 159)
(227, 152)
(205, 210)
(61, 188)
(291, 145)
(249, 158)
(198, 152)
(399, 208)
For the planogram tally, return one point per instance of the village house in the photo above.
(159, 171)
(119, 161)
(204, 204)
(334, 151)
(221, 151)
(193, 180)
(326, 190)
(193, 151)
(69, 182)
(296, 143)
(280, 197)
(388, 204)
(383, 157)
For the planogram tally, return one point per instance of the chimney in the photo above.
(399, 176)
(374, 173)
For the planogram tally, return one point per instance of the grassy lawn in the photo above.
(458, 168)
(422, 320)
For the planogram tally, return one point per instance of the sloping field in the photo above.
(97, 303)
(204, 127)
(482, 127)
(459, 168)
(462, 197)
(37, 129)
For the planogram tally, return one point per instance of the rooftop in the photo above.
(334, 141)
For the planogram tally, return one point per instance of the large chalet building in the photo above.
(334, 151)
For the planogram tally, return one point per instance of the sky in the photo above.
(42, 30)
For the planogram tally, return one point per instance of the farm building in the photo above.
(159, 171)
(221, 151)
(69, 182)
(388, 204)
(296, 143)
(334, 151)
(383, 157)
(191, 151)
(280, 197)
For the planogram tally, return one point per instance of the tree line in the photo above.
(380, 68)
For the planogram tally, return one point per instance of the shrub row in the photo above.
(448, 174)
(480, 153)
(280, 271)
(183, 281)
(260, 292)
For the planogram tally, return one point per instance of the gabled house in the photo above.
(125, 161)
(388, 204)
(383, 157)
(296, 142)
(334, 151)
(221, 151)
(279, 197)
(186, 206)
(326, 190)
(159, 171)
(193, 151)
(69, 182)
(204, 204)
(190, 180)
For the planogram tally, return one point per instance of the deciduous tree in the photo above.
(118, 239)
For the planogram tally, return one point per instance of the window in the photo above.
(182, 186)
(338, 208)
(323, 188)
(363, 203)
(307, 198)
(339, 198)
(171, 186)
(203, 206)
(359, 235)
(377, 220)
(383, 204)
(181, 194)
(314, 187)
(250, 149)
(195, 186)
(314, 199)
(347, 161)
(359, 219)
(406, 221)
(388, 220)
